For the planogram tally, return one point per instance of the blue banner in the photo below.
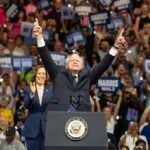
(109, 84)
(22, 62)
(100, 18)
(59, 58)
(5, 62)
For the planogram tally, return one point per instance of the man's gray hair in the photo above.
(81, 58)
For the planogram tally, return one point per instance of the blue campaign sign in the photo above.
(104, 2)
(115, 23)
(75, 37)
(122, 4)
(22, 62)
(26, 29)
(5, 62)
(100, 18)
(59, 58)
(67, 13)
(109, 84)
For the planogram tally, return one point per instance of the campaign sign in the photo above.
(59, 58)
(109, 84)
(122, 4)
(100, 18)
(67, 13)
(115, 23)
(83, 10)
(22, 62)
(75, 37)
(5, 62)
(12, 11)
(147, 65)
(118, 22)
(104, 2)
(26, 29)
(43, 4)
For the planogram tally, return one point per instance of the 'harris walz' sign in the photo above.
(5, 62)
(59, 58)
(100, 18)
(109, 84)
(22, 62)
(122, 4)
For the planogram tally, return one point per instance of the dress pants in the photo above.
(36, 143)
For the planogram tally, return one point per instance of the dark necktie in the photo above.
(75, 78)
(73, 104)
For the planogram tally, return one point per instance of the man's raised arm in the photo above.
(106, 62)
(43, 51)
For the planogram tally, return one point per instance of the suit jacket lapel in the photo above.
(82, 76)
(37, 98)
(44, 96)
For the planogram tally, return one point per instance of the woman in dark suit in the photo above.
(36, 98)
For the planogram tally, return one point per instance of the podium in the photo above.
(75, 131)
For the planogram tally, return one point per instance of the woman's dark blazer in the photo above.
(35, 111)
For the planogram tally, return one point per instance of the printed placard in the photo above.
(5, 62)
(67, 13)
(59, 58)
(100, 18)
(122, 4)
(109, 84)
(132, 114)
(115, 23)
(147, 65)
(104, 2)
(43, 4)
(12, 11)
(83, 10)
(22, 62)
(75, 37)
(26, 29)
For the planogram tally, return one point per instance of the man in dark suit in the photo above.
(68, 96)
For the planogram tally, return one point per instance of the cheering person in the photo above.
(36, 98)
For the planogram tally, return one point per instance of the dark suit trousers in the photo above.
(36, 143)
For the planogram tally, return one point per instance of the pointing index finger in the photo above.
(121, 32)
(36, 21)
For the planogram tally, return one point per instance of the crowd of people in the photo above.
(127, 112)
